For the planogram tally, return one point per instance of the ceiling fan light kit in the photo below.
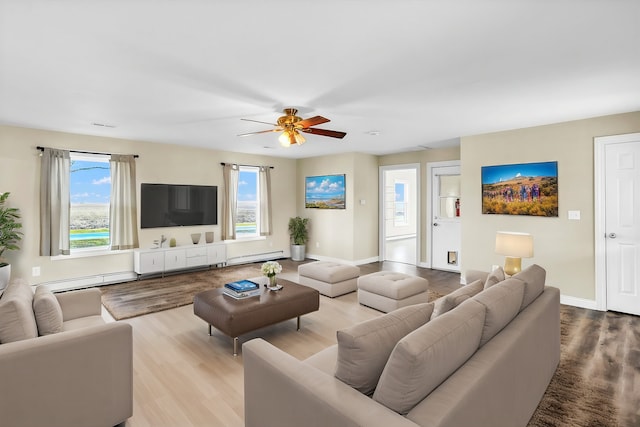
(291, 125)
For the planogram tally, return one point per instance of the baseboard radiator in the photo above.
(127, 276)
(90, 281)
(246, 259)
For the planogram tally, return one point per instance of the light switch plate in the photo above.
(574, 215)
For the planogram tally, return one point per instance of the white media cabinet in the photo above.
(161, 260)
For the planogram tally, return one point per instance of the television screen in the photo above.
(167, 205)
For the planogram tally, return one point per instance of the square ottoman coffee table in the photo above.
(235, 317)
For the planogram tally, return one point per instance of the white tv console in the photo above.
(161, 260)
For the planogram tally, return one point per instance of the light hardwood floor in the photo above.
(183, 377)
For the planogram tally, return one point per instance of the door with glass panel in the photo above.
(445, 220)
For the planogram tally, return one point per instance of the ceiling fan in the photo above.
(291, 127)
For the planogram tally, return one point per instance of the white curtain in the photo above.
(55, 170)
(123, 213)
(230, 173)
(265, 201)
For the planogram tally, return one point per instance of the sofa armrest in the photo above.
(280, 390)
(80, 303)
(77, 378)
(471, 276)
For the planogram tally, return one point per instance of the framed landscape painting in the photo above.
(521, 189)
(325, 192)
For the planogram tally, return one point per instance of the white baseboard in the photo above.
(245, 259)
(578, 302)
(90, 281)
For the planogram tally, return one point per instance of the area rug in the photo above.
(131, 299)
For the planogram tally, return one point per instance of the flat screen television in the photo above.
(168, 205)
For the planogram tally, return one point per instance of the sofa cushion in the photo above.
(17, 321)
(502, 302)
(47, 311)
(534, 278)
(363, 349)
(423, 359)
(455, 298)
(496, 276)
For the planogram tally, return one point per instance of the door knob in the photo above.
(612, 235)
(435, 224)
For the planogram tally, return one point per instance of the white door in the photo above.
(622, 226)
(399, 207)
(446, 211)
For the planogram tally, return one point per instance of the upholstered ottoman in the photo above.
(329, 278)
(388, 290)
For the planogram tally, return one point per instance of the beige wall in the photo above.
(564, 248)
(349, 234)
(19, 174)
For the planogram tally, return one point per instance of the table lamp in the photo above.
(514, 246)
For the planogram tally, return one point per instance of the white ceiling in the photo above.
(421, 73)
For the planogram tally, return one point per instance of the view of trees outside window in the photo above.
(247, 211)
(90, 187)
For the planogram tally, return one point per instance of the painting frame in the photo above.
(325, 191)
(529, 189)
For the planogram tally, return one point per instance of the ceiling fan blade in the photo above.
(258, 121)
(262, 131)
(325, 132)
(312, 121)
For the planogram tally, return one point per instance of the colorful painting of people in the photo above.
(522, 189)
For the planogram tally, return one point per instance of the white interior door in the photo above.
(445, 218)
(622, 226)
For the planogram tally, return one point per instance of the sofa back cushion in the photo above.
(47, 311)
(502, 302)
(496, 276)
(423, 359)
(17, 321)
(363, 349)
(534, 278)
(455, 298)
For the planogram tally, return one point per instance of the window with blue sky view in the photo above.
(90, 193)
(248, 202)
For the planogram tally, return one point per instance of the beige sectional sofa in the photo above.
(476, 357)
(60, 363)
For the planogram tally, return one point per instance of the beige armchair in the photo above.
(79, 374)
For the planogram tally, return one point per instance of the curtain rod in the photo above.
(252, 166)
(85, 152)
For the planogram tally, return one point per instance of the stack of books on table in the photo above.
(242, 289)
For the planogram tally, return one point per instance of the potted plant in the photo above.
(10, 235)
(299, 234)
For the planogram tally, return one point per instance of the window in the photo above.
(248, 212)
(90, 194)
(400, 208)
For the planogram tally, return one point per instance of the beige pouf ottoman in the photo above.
(387, 290)
(329, 278)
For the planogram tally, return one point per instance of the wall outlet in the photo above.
(35, 271)
(317, 244)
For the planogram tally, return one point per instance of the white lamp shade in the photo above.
(517, 245)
